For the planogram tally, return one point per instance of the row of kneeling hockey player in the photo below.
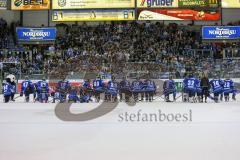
(194, 90)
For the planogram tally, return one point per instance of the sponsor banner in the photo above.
(157, 3)
(176, 3)
(89, 4)
(3, 4)
(30, 4)
(221, 32)
(179, 14)
(93, 15)
(36, 34)
(198, 3)
(230, 3)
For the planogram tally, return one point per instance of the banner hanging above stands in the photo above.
(179, 14)
(33, 35)
(30, 4)
(221, 33)
(176, 3)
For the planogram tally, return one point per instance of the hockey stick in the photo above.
(17, 97)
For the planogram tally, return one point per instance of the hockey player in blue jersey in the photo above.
(149, 89)
(73, 95)
(85, 98)
(98, 88)
(125, 89)
(63, 88)
(189, 89)
(87, 85)
(137, 88)
(217, 88)
(27, 88)
(42, 91)
(112, 90)
(228, 88)
(199, 89)
(222, 85)
(58, 97)
(85, 93)
(7, 90)
(169, 87)
(87, 88)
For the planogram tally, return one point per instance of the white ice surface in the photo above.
(33, 132)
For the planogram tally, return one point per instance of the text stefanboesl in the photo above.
(158, 116)
(33, 34)
(221, 32)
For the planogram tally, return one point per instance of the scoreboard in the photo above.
(93, 15)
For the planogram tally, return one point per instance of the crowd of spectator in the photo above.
(4, 32)
(122, 48)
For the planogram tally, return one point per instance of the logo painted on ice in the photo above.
(63, 112)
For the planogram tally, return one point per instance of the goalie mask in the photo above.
(12, 78)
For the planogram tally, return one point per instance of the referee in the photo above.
(205, 85)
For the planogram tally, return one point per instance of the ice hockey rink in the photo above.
(33, 132)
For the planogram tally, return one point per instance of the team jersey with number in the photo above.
(149, 85)
(228, 84)
(42, 87)
(137, 85)
(125, 85)
(63, 85)
(27, 86)
(190, 83)
(98, 83)
(216, 85)
(7, 89)
(112, 86)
